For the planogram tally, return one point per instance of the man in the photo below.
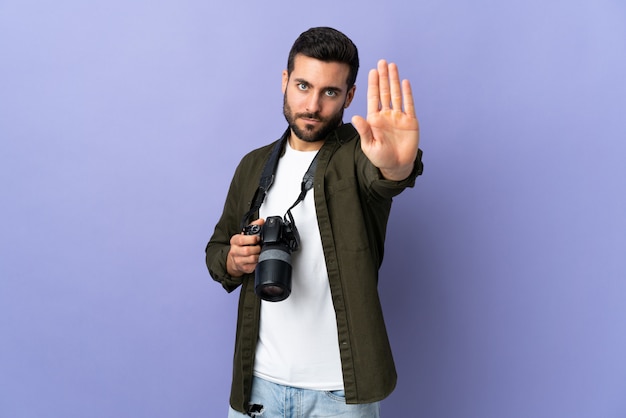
(324, 350)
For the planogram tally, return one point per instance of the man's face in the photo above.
(315, 96)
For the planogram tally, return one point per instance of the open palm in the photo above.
(390, 134)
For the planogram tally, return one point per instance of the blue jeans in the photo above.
(270, 400)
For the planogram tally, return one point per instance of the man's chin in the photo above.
(308, 133)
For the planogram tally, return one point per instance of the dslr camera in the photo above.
(279, 238)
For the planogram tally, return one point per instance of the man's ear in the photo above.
(350, 96)
(285, 80)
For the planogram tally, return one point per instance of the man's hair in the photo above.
(329, 45)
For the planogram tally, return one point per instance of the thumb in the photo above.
(363, 128)
(259, 221)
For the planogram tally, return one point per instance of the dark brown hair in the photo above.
(329, 45)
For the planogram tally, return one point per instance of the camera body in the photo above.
(279, 238)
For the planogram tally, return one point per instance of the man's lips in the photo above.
(310, 120)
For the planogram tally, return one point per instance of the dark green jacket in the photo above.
(352, 202)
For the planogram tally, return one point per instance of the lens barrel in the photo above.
(272, 279)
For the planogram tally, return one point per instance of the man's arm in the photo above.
(229, 254)
(390, 134)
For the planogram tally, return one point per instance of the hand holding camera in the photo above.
(279, 238)
(244, 252)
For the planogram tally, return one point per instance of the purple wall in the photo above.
(504, 283)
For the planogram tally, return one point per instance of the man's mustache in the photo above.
(314, 116)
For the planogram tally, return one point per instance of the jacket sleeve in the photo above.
(240, 193)
(228, 225)
(379, 187)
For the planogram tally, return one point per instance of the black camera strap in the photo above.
(267, 178)
(306, 185)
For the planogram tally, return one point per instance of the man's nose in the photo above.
(313, 104)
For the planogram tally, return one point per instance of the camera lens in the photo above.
(271, 292)
(273, 273)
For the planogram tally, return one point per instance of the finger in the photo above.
(238, 265)
(383, 83)
(249, 264)
(246, 254)
(242, 240)
(407, 96)
(373, 93)
(396, 92)
(245, 266)
(363, 128)
(259, 221)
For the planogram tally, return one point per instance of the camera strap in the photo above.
(306, 185)
(267, 178)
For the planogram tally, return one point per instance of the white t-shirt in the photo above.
(298, 343)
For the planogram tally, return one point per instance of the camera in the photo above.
(279, 238)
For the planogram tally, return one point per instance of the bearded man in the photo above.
(311, 339)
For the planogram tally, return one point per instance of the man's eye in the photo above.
(331, 93)
(301, 86)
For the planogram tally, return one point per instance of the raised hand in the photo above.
(390, 134)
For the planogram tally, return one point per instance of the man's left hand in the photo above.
(390, 134)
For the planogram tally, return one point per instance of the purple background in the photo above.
(504, 283)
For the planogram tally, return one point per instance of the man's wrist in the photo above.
(398, 174)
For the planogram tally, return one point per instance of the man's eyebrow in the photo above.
(306, 83)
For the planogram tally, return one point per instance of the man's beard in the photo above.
(309, 133)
